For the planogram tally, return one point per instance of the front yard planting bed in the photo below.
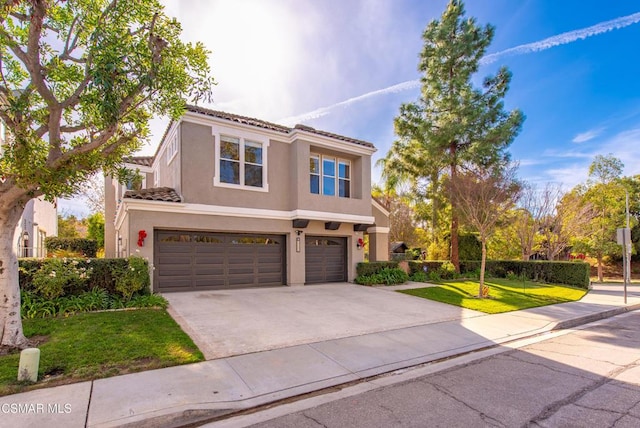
(505, 295)
(95, 345)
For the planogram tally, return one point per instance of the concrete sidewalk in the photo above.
(203, 391)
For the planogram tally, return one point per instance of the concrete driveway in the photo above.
(234, 322)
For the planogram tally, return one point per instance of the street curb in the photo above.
(574, 322)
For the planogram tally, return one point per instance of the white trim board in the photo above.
(218, 210)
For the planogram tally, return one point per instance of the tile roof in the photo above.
(165, 194)
(140, 160)
(273, 126)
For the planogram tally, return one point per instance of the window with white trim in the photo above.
(241, 162)
(172, 148)
(329, 176)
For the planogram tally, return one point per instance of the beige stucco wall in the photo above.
(287, 176)
(360, 201)
(199, 163)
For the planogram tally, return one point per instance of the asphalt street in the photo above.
(583, 378)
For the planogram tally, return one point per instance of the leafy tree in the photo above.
(606, 193)
(452, 123)
(68, 226)
(500, 245)
(79, 81)
(484, 196)
(570, 219)
(535, 207)
(632, 185)
(95, 228)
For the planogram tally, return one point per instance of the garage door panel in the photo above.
(325, 259)
(174, 249)
(207, 260)
(264, 269)
(173, 259)
(213, 270)
(210, 250)
(210, 282)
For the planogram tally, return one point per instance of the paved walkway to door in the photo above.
(234, 322)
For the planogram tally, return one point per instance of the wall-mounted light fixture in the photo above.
(298, 244)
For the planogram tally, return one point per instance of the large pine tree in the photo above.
(453, 123)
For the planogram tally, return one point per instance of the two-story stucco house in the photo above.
(229, 201)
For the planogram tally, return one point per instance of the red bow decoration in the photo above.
(141, 235)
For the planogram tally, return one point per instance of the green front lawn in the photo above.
(505, 295)
(102, 344)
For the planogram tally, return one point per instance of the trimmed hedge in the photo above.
(86, 247)
(574, 273)
(372, 268)
(103, 274)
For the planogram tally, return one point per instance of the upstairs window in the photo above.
(344, 179)
(172, 148)
(329, 176)
(252, 164)
(229, 160)
(242, 163)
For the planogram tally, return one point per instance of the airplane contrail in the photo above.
(548, 43)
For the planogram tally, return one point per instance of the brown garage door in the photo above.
(187, 261)
(325, 259)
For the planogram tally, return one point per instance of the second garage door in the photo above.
(187, 261)
(325, 259)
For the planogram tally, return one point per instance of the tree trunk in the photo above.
(455, 258)
(10, 321)
(483, 266)
(600, 274)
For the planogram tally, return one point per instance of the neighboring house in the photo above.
(399, 247)
(39, 220)
(229, 201)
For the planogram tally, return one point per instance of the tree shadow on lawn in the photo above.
(502, 298)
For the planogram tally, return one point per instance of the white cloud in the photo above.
(561, 39)
(569, 176)
(624, 146)
(587, 136)
(322, 111)
(565, 38)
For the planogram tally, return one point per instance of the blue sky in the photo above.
(345, 66)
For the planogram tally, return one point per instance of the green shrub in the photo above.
(575, 273)
(36, 306)
(513, 277)
(103, 274)
(133, 278)
(148, 301)
(447, 270)
(82, 246)
(387, 276)
(434, 276)
(419, 276)
(424, 266)
(57, 277)
(370, 268)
